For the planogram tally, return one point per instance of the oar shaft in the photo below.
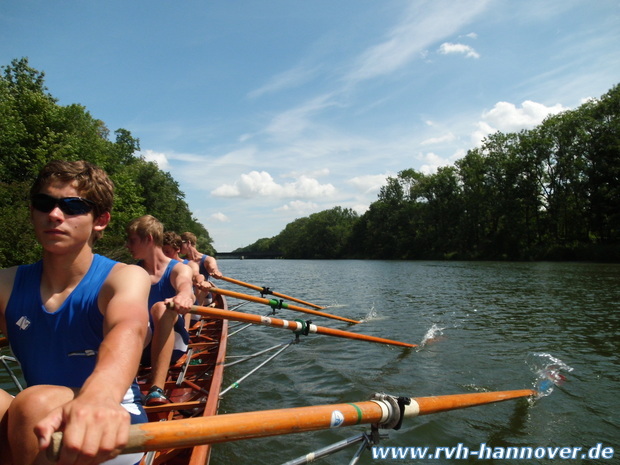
(272, 302)
(241, 283)
(292, 325)
(361, 337)
(436, 404)
(238, 426)
(277, 294)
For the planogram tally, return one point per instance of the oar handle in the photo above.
(385, 411)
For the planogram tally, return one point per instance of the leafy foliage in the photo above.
(552, 192)
(34, 129)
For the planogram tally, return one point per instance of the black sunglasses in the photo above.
(68, 205)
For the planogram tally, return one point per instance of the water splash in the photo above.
(433, 334)
(371, 315)
(548, 370)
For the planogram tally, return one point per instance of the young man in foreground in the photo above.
(77, 322)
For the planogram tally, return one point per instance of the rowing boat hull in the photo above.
(193, 387)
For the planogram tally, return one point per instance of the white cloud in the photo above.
(318, 173)
(298, 207)
(449, 137)
(261, 184)
(220, 217)
(432, 161)
(447, 48)
(484, 129)
(413, 34)
(507, 117)
(360, 209)
(368, 184)
(160, 158)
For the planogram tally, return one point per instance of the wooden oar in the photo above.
(384, 411)
(266, 290)
(297, 326)
(277, 304)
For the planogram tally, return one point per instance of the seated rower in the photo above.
(208, 265)
(171, 284)
(76, 321)
(172, 248)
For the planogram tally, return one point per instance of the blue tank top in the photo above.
(61, 347)
(203, 269)
(163, 289)
(160, 291)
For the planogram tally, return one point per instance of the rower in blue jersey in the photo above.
(172, 249)
(77, 322)
(208, 265)
(170, 297)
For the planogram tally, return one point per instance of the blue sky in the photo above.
(268, 111)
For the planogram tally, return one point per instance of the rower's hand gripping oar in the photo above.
(278, 304)
(266, 291)
(382, 410)
(298, 326)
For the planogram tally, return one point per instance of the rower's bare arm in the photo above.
(124, 303)
(212, 267)
(7, 277)
(182, 280)
(197, 277)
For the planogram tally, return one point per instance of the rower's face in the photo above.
(56, 229)
(136, 246)
(184, 247)
(170, 251)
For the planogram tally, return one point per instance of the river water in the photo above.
(491, 327)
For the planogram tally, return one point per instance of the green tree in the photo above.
(34, 129)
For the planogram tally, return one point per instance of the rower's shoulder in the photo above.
(7, 279)
(130, 272)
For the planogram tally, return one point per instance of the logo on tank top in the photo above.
(23, 323)
(86, 353)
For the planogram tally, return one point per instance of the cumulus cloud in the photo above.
(368, 184)
(298, 207)
(432, 161)
(261, 184)
(220, 217)
(318, 173)
(159, 158)
(507, 117)
(447, 48)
